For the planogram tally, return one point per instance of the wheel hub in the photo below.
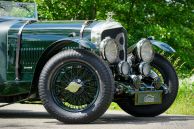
(74, 86)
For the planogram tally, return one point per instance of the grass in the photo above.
(184, 103)
(114, 106)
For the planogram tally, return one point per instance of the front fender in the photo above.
(52, 50)
(82, 42)
(163, 46)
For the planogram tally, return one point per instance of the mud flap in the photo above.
(148, 97)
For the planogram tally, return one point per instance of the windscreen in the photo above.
(18, 10)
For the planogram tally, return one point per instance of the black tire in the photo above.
(170, 78)
(103, 97)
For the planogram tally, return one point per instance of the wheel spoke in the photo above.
(86, 73)
(65, 77)
(84, 96)
(79, 71)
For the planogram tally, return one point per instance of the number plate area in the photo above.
(148, 97)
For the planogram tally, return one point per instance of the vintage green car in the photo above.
(77, 68)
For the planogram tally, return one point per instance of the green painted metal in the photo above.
(4, 26)
(36, 38)
(12, 88)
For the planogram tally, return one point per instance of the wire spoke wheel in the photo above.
(76, 86)
(75, 74)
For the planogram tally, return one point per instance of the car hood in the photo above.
(50, 31)
(75, 25)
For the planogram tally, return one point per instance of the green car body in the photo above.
(38, 42)
(77, 68)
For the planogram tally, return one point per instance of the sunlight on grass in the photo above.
(184, 103)
(114, 106)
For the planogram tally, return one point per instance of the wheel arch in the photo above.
(53, 49)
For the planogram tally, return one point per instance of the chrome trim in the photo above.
(124, 44)
(145, 68)
(139, 49)
(86, 23)
(124, 68)
(103, 46)
(97, 30)
(36, 12)
(18, 48)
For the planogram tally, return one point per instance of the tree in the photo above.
(170, 21)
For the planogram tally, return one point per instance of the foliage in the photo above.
(177, 64)
(170, 21)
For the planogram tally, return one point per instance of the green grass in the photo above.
(184, 103)
(114, 106)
